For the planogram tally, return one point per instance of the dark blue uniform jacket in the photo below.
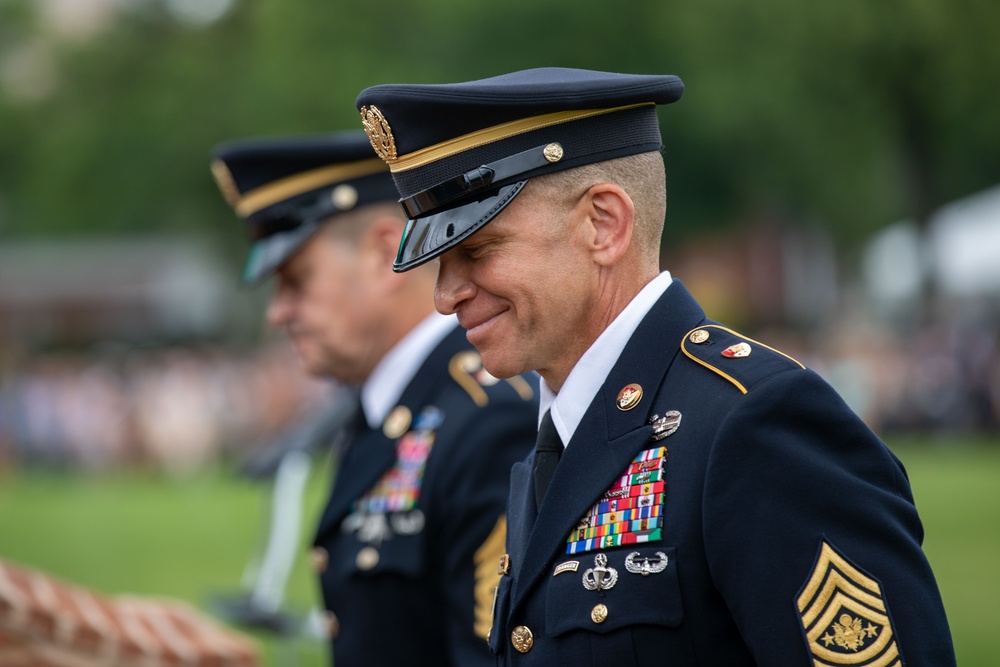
(787, 537)
(414, 525)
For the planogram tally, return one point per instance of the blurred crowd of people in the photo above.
(942, 378)
(174, 408)
(178, 408)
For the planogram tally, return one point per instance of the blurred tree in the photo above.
(852, 114)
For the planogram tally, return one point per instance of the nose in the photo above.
(453, 286)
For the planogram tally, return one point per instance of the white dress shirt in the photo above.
(589, 373)
(394, 372)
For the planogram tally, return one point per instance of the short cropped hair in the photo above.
(642, 176)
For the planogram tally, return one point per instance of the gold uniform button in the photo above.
(522, 639)
(320, 559)
(599, 614)
(332, 625)
(367, 558)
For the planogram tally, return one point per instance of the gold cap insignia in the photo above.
(568, 566)
(344, 197)
(629, 397)
(227, 185)
(843, 614)
(379, 133)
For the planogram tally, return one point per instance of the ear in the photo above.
(611, 214)
(379, 247)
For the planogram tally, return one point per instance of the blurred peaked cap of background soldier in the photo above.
(460, 152)
(285, 188)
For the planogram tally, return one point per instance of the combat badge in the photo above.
(665, 425)
(844, 616)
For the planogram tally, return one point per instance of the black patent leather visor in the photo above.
(426, 238)
(269, 253)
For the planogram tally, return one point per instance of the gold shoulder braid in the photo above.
(466, 368)
(724, 351)
(844, 616)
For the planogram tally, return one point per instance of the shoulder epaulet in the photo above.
(466, 368)
(739, 359)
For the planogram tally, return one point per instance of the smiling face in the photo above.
(538, 284)
(524, 288)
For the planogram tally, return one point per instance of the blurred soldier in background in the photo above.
(695, 497)
(407, 546)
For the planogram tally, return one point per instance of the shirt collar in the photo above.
(577, 393)
(398, 367)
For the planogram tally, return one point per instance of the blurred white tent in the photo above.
(960, 254)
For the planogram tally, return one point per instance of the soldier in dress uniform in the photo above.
(407, 546)
(695, 497)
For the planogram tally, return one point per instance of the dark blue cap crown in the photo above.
(469, 145)
(285, 188)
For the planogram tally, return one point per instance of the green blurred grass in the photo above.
(191, 538)
(187, 538)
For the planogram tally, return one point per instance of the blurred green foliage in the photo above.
(851, 114)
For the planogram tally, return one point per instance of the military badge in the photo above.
(390, 507)
(568, 566)
(379, 133)
(665, 425)
(646, 566)
(844, 615)
(737, 351)
(600, 577)
(629, 397)
(630, 511)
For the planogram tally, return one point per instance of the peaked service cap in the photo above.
(285, 188)
(461, 152)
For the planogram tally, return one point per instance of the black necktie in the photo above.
(548, 449)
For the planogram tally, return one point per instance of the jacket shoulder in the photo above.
(742, 361)
(467, 371)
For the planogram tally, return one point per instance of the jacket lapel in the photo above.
(607, 438)
(370, 453)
